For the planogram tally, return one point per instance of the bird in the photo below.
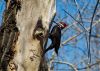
(55, 36)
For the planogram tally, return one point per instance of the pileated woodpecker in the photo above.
(55, 36)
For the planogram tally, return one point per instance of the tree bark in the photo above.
(32, 21)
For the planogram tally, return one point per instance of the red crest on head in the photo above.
(63, 25)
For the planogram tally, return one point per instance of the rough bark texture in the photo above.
(32, 21)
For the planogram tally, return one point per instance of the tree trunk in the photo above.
(32, 21)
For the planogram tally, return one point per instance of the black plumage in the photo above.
(55, 36)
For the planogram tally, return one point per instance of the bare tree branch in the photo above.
(74, 18)
(89, 66)
(89, 51)
(67, 63)
(73, 37)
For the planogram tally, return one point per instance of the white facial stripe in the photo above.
(62, 25)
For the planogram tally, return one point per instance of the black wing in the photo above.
(56, 35)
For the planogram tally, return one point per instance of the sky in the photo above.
(75, 50)
(2, 6)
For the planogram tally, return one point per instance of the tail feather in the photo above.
(56, 51)
(49, 48)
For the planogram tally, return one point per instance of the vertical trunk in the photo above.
(32, 21)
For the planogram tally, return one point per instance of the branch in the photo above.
(66, 41)
(69, 64)
(89, 53)
(74, 18)
(89, 66)
(81, 22)
(82, 11)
